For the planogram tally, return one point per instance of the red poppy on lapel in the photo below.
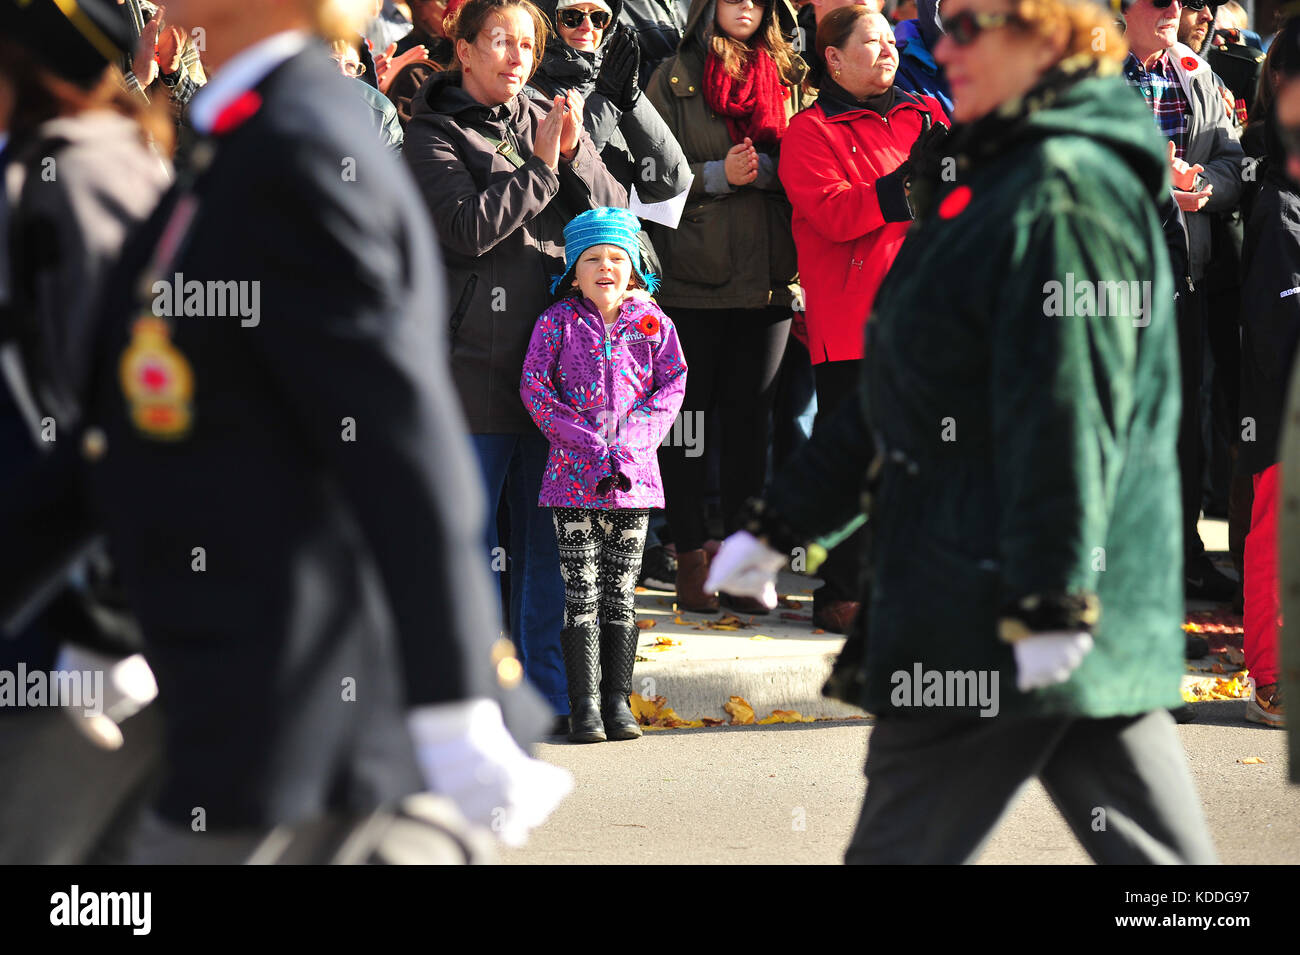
(1190, 63)
(237, 113)
(648, 325)
(954, 203)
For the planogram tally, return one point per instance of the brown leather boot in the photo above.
(837, 616)
(692, 571)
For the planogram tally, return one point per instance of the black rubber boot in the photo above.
(581, 647)
(617, 657)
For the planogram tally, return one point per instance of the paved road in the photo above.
(738, 795)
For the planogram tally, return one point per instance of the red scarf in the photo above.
(754, 105)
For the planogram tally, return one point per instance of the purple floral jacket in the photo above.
(604, 402)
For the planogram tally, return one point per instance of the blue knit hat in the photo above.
(603, 226)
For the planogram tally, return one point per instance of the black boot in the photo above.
(581, 646)
(617, 657)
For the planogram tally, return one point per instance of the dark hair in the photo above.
(40, 95)
(838, 25)
(473, 16)
(1284, 51)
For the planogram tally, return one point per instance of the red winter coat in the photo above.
(829, 166)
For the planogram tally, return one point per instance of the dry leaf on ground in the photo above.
(785, 716)
(645, 624)
(1251, 760)
(1211, 688)
(742, 714)
(656, 714)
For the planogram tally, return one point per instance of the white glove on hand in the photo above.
(745, 567)
(1050, 657)
(466, 753)
(128, 688)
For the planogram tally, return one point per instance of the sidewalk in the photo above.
(778, 661)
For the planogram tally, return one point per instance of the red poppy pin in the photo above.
(237, 113)
(648, 326)
(955, 203)
(1190, 63)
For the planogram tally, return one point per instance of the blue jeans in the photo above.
(515, 462)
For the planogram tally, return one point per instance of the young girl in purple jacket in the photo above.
(603, 378)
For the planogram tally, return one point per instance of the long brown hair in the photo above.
(472, 17)
(40, 96)
(734, 53)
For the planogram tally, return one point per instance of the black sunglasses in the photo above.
(572, 19)
(1189, 4)
(965, 27)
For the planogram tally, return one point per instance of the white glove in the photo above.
(466, 753)
(745, 567)
(128, 687)
(1049, 657)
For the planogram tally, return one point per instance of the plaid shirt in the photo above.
(1164, 95)
(183, 84)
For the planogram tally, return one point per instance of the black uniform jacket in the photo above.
(287, 487)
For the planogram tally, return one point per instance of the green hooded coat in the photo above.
(1026, 429)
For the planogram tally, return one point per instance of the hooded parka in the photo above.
(1021, 390)
(730, 250)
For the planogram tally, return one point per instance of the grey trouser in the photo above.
(937, 787)
(423, 830)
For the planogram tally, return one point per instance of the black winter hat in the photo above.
(74, 39)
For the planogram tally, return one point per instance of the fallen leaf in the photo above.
(1211, 688)
(711, 721)
(645, 624)
(759, 636)
(742, 714)
(785, 716)
(1251, 760)
(663, 640)
(819, 630)
(655, 714)
(679, 621)
(730, 620)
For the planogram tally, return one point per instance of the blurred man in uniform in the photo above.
(272, 445)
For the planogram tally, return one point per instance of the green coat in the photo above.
(1026, 452)
(733, 250)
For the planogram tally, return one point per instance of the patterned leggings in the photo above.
(600, 559)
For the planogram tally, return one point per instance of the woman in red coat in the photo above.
(845, 168)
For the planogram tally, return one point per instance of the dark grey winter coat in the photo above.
(501, 229)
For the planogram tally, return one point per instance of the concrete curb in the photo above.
(698, 688)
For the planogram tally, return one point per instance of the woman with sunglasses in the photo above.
(729, 267)
(599, 60)
(1017, 434)
(502, 174)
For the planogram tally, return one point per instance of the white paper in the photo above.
(668, 212)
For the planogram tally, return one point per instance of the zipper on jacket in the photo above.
(609, 374)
